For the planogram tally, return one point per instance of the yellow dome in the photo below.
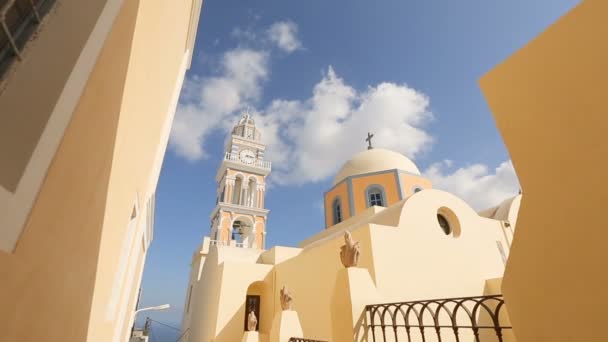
(375, 160)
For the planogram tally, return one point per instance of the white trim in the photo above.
(235, 208)
(15, 208)
(125, 251)
(368, 202)
(128, 289)
(195, 14)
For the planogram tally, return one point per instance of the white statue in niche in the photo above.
(252, 321)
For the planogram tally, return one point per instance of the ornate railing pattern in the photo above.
(263, 164)
(452, 319)
(301, 339)
(219, 243)
(227, 243)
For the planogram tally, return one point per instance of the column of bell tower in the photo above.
(240, 217)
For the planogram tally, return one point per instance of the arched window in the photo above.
(337, 210)
(416, 188)
(375, 196)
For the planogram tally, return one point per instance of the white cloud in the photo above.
(309, 140)
(476, 184)
(243, 34)
(284, 34)
(207, 102)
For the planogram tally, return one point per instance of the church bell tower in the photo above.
(239, 217)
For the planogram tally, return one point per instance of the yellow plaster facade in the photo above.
(405, 255)
(76, 216)
(549, 102)
(388, 183)
(390, 175)
(337, 193)
(412, 183)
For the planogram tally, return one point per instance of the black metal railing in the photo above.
(301, 339)
(480, 318)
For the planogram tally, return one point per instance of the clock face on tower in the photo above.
(247, 156)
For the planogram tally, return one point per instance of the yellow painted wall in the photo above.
(549, 102)
(494, 287)
(263, 288)
(340, 190)
(144, 119)
(311, 278)
(259, 231)
(225, 227)
(387, 180)
(51, 276)
(218, 308)
(409, 181)
(64, 265)
(402, 247)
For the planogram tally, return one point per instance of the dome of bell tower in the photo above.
(246, 128)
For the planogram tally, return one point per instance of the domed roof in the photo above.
(374, 160)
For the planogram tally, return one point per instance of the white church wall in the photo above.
(417, 260)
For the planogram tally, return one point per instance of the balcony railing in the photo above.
(219, 243)
(227, 243)
(262, 164)
(301, 339)
(452, 319)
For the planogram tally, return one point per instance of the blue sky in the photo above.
(318, 75)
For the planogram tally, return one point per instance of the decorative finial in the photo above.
(369, 140)
(286, 299)
(349, 252)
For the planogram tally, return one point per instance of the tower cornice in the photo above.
(232, 161)
(238, 209)
(248, 142)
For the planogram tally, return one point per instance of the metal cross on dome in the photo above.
(369, 140)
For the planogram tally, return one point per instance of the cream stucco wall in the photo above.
(549, 102)
(144, 119)
(59, 280)
(406, 253)
(409, 182)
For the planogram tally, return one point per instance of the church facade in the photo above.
(412, 242)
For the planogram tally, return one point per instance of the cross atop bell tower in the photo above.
(239, 217)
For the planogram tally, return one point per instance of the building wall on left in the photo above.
(75, 255)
